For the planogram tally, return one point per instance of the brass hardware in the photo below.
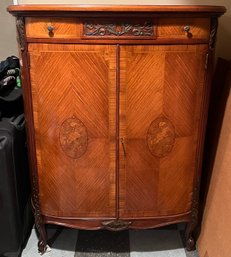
(116, 225)
(123, 145)
(187, 29)
(50, 28)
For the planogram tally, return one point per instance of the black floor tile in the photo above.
(168, 227)
(102, 244)
(57, 233)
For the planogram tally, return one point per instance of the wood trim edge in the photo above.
(116, 8)
(141, 223)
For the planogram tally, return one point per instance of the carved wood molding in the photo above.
(35, 202)
(116, 225)
(144, 29)
(20, 25)
(38, 218)
(213, 33)
(195, 205)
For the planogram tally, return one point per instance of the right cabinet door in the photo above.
(161, 98)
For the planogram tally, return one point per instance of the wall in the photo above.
(215, 236)
(7, 35)
(224, 36)
(214, 239)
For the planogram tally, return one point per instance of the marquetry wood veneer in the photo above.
(116, 102)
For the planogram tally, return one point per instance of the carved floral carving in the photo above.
(73, 137)
(145, 29)
(21, 32)
(116, 225)
(161, 137)
(213, 33)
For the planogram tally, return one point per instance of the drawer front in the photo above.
(52, 28)
(184, 28)
(118, 28)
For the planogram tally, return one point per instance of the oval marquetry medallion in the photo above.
(161, 137)
(73, 138)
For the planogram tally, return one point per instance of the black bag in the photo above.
(11, 62)
(15, 209)
(11, 103)
(9, 71)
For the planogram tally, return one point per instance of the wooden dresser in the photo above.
(116, 101)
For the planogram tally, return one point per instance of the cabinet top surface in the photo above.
(24, 9)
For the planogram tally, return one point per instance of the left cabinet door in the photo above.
(74, 107)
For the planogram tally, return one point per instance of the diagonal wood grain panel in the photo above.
(143, 78)
(176, 171)
(141, 101)
(84, 89)
(181, 94)
(141, 179)
(159, 86)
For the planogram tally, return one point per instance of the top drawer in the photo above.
(184, 27)
(52, 28)
(117, 28)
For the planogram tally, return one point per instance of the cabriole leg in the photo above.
(42, 243)
(190, 242)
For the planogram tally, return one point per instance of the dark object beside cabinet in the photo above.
(15, 208)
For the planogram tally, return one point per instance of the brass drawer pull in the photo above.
(187, 29)
(50, 29)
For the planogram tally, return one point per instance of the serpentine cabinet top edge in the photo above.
(25, 9)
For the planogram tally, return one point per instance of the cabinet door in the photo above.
(161, 95)
(73, 93)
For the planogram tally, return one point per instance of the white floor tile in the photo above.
(31, 248)
(64, 245)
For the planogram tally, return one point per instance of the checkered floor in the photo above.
(64, 242)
